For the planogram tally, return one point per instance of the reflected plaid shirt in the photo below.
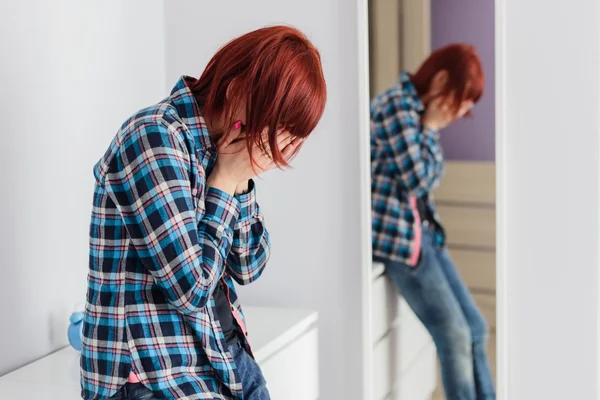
(406, 160)
(160, 242)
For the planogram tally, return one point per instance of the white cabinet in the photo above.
(404, 359)
(284, 343)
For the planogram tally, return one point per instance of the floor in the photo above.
(439, 393)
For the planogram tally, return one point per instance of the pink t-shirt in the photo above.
(414, 258)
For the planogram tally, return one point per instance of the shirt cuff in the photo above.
(247, 202)
(431, 136)
(221, 208)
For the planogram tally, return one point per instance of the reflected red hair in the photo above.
(277, 72)
(465, 74)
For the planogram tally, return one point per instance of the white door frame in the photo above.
(569, 43)
(364, 157)
(501, 162)
(365, 181)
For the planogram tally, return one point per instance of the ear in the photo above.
(440, 79)
(228, 91)
(230, 88)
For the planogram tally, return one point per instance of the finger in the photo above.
(283, 135)
(284, 140)
(291, 151)
(263, 164)
(288, 152)
(260, 154)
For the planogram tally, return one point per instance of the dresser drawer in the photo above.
(411, 335)
(385, 368)
(398, 351)
(293, 372)
(420, 380)
(384, 306)
(389, 309)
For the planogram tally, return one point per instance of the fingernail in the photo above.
(237, 125)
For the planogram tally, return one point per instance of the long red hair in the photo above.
(465, 74)
(277, 72)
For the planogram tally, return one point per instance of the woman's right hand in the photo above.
(437, 115)
(234, 164)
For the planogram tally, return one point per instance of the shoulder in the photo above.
(392, 103)
(154, 129)
(394, 109)
(158, 125)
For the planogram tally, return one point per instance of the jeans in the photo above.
(253, 382)
(440, 299)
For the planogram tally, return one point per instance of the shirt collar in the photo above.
(409, 90)
(184, 101)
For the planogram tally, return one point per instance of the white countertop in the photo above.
(56, 376)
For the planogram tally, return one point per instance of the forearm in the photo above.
(185, 256)
(249, 253)
(250, 250)
(420, 162)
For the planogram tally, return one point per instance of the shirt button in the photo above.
(232, 308)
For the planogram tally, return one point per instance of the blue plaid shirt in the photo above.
(406, 162)
(160, 243)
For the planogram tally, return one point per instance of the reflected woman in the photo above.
(175, 222)
(407, 163)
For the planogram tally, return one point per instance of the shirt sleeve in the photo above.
(149, 181)
(251, 244)
(415, 152)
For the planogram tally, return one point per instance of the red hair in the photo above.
(465, 74)
(277, 72)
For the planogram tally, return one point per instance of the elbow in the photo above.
(191, 306)
(417, 189)
(245, 276)
(420, 184)
(196, 298)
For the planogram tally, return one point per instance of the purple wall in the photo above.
(469, 21)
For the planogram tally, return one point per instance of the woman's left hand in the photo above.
(263, 157)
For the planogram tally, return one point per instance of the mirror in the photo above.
(433, 289)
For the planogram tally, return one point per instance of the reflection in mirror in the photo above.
(432, 134)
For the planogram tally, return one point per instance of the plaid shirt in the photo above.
(160, 243)
(406, 163)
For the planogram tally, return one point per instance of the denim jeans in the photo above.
(253, 382)
(438, 296)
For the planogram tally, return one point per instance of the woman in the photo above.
(407, 164)
(175, 222)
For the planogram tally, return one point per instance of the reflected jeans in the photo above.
(253, 382)
(438, 296)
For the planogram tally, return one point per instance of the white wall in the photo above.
(548, 151)
(71, 73)
(313, 212)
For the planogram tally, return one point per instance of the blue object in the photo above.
(76, 330)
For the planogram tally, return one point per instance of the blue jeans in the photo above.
(438, 296)
(253, 382)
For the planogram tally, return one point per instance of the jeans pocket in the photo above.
(422, 262)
